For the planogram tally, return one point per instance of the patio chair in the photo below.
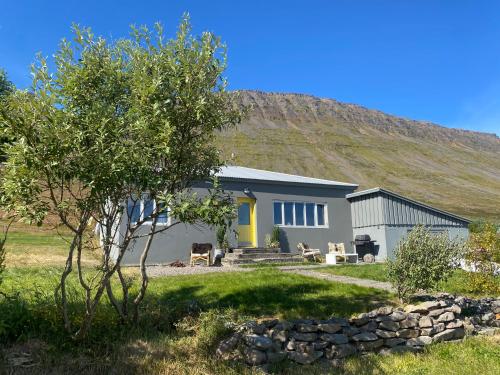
(337, 250)
(200, 251)
(308, 253)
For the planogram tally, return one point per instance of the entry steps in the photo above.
(260, 255)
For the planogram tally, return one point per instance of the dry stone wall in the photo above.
(384, 330)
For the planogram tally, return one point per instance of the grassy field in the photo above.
(184, 317)
(376, 271)
(456, 284)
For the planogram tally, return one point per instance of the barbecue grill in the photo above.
(364, 245)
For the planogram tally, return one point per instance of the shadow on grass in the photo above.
(294, 301)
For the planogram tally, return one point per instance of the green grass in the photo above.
(173, 338)
(375, 271)
(262, 292)
(284, 264)
(28, 246)
(456, 284)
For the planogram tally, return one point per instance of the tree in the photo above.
(422, 260)
(483, 257)
(6, 88)
(114, 122)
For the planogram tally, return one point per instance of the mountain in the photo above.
(452, 169)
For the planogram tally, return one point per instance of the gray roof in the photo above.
(244, 173)
(391, 193)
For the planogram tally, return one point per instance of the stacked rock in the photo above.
(384, 330)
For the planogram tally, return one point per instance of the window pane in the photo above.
(299, 213)
(134, 210)
(148, 209)
(277, 213)
(244, 214)
(310, 214)
(321, 214)
(288, 213)
(163, 216)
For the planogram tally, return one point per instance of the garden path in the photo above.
(338, 278)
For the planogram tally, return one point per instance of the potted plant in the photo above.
(222, 243)
(273, 240)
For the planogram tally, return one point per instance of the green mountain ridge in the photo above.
(452, 169)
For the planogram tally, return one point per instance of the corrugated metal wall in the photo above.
(367, 211)
(382, 209)
(402, 212)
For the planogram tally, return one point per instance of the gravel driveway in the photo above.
(156, 271)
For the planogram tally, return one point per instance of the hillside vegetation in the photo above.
(452, 169)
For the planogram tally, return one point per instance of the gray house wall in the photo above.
(388, 219)
(175, 243)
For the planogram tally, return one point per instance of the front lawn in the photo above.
(183, 319)
(456, 284)
(376, 271)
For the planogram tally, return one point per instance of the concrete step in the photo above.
(290, 259)
(259, 255)
(253, 250)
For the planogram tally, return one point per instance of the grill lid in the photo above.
(362, 238)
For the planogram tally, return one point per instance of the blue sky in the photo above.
(428, 59)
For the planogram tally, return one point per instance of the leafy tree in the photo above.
(483, 254)
(115, 122)
(423, 260)
(6, 88)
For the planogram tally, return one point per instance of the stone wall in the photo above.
(384, 330)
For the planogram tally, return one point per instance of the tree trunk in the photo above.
(144, 275)
(62, 284)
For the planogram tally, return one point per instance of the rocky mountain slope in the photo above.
(456, 170)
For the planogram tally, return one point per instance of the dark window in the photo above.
(163, 216)
(321, 214)
(299, 213)
(148, 209)
(278, 220)
(310, 214)
(288, 213)
(134, 210)
(244, 213)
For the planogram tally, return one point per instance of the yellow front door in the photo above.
(246, 222)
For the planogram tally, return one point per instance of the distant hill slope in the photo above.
(456, 170)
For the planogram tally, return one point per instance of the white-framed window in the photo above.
(300, 214)
(140, 209)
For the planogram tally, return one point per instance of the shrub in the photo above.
(483, 254)
(422, 261)
(2, 258)
(209, 328)
(275, 236)
(220, 236)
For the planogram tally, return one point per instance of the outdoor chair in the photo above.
(309, 253)
(336, 251)
(200, 251)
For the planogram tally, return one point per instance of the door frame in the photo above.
(253, 219)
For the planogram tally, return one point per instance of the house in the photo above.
(310, 210)
(387, 217)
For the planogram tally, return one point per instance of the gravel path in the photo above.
(342, 279)
(156, 271)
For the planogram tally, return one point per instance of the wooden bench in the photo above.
(337, 250)
(200, 251)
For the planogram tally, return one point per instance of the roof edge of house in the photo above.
(266, 176)
(396, 195)
(341, 185)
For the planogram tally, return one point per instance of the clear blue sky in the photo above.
(427, 59)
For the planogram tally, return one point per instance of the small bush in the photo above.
(273, 240)
(422, 261)
(483, 254)
(209, 328)
(2, 258)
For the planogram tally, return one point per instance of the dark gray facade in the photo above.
(175, 243)
(388, 217)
